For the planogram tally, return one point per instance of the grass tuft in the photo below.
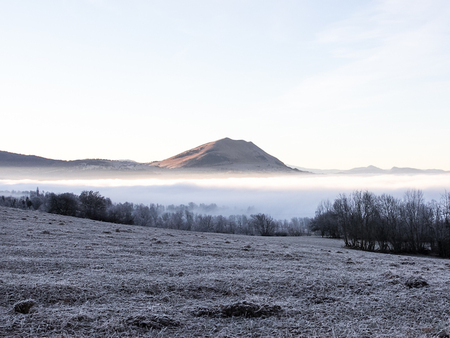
(24, 306)
(416, 282)
(151, 321)
(240, 309)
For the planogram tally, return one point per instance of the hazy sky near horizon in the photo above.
(318, 84)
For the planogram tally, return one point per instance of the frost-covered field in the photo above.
(93, 279)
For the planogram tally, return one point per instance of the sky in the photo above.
(318, 84)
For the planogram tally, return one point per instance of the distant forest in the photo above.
(191, 217)
(383, 223)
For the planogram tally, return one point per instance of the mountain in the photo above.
(18, 166)
(222, 156)
(8, 159)
(409, 171)
(225, 155)
(365, 170)
(372, 170)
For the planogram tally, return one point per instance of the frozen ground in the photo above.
(93, 279)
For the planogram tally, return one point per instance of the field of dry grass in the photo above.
(94, 279)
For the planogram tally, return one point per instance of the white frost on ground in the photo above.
(94, 279)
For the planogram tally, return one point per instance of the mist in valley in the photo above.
(281, 197)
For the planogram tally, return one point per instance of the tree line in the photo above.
(191, 217)
(387, 224)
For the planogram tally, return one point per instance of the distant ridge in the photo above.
(393, 171)
(8, 159)
(225, 154)
(372, 170)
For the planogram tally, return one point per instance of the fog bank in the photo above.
(282, 197)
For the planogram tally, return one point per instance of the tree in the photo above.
(93, 205)
(220, 224)
(121, 213)
(326, 221)
(141, 215)
(326, 224)
(264, 224)
(155, 211)
(189, 219)
(366, 217)
(204, 223)
(63, 204)
(176, 220)
(390, 231)
(441, 226)
(418, 220)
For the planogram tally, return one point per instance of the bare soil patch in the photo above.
(89, 280)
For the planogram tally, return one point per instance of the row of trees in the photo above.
(370, 222)
(92, 205)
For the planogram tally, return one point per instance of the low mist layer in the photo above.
(282, 197)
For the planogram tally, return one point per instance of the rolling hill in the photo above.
(8, 159)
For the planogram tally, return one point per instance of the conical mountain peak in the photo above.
(225, 154)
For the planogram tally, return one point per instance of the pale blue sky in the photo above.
(324, 84)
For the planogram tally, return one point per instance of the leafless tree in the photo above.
(264, 224)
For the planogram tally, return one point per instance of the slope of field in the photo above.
(93, 279)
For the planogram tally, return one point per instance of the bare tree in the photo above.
(326, 222)
(93, 205)
(390, 230)
(264, 224)
(63, 204)
(418, 220)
